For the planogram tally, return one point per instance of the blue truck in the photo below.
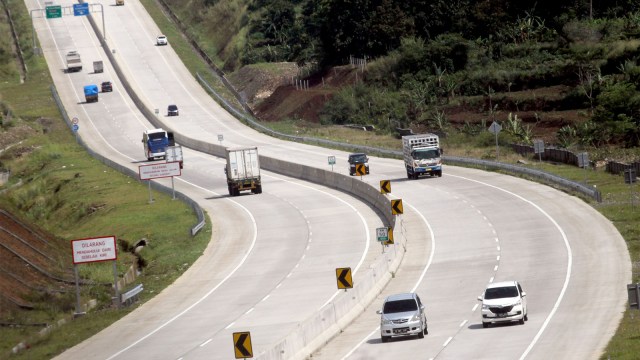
(155, 142)
(91, 93)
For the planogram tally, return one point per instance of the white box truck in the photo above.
(422, 155)
(243, 170)
(73, 61)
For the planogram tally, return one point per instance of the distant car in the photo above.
(402, 315)
(161, 40)
(503, 302)
(106, 86)
(172, 110)
(358, 158)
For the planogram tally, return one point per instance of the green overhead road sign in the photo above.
(54, 11)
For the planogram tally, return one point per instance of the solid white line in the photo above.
(230, 325)
(475, 307)
(266, 297)
(424, 272)
(567, 277)
(464, 322)
(242, 261)
(249, 311)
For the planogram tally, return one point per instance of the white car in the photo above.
(161, 40)
(402, 315)
(503, 302)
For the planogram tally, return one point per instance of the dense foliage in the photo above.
(424, 55)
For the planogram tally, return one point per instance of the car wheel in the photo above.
(408, 175)
(521, 321)
(485, 325)
(421, 335)
(385, 338)
(426, 331)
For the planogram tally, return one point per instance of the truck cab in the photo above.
(155, 142)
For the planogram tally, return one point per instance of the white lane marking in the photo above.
(240, 264)
(249, 311)
(266, 297)
(424, 272)
(230, 325)
(490, 280)
(495, 268)
(205, 343)
(463, 323)
(567, 277)
(475, 307)
(448, 341)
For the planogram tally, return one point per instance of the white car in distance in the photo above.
(161, 40)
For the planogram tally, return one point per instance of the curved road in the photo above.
(464, 230)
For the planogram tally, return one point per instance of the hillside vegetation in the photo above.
(558, 70)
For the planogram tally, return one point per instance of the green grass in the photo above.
(55, 184)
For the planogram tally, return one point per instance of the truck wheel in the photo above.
(415, 175)
(149, 159)
(439, 173)
(409, 176)
(258, 189)
(230, 190)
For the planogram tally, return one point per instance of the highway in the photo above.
(265, 270)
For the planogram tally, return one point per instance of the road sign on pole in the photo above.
(242, 345)
(382, 234)
(385, 186)
(54, 11)
(81, 9)
(345, 281)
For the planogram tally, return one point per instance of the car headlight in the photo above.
(385, 321)
(518, 303)
(415, 317)
(485, 307)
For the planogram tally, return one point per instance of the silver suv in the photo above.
(402, 315)
(503, 302)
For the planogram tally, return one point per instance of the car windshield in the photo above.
(400, 306)
(173, 107)
(501, 292)
(358, 158)
(426, 154)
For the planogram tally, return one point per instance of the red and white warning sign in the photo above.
(94, 249)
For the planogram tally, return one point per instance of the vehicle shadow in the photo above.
(378, 340)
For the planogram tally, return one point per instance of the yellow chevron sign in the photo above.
(396, 207)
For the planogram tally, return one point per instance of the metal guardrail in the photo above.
(542, 176)
(128, 172)
(129, 297)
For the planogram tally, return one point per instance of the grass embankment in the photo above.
(55, 184)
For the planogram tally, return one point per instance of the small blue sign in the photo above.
(80, 9)
(75, 127)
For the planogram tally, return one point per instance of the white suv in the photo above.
(402, 315)
(503, 302)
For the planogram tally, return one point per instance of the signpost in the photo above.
(53, 11)
(154, 171)
(80, 9)
(220, 138)
(538, 148)
(583, 162)
(242, 345)
(495, 129)
(94, 250)
(332, 161)
(630, 178)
